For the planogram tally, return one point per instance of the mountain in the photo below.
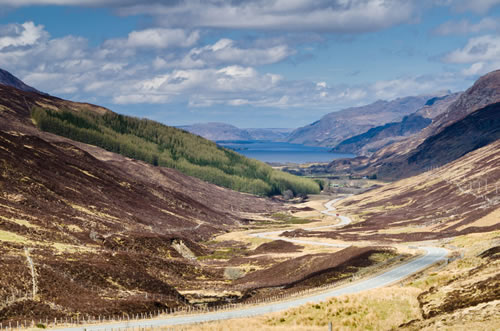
(6, 78)
(222, 131)
(456, 206)
(335, 127)
(118, 232)
(217, 131)
(122, 234)
(145, 140)
(272, 134)
(380, 136)
(468, 123)
(458, 198)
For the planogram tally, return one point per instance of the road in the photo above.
(431, 256)
(344, 220)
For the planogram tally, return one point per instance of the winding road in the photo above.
(431, 256)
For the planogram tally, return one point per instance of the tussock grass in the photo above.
(380, 309)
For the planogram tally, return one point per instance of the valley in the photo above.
(109, 221)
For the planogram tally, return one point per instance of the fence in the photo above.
(81, 320)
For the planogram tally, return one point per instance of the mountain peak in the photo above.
(6, 78)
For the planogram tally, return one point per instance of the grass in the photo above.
(223, 254)
(433, 279)
(93, 212)
(12, 237)
(380, 309)
(289, 219)
(19, 221)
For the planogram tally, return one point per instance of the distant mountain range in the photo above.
(221, 131)
(381, 136)
(335, 127)
(468, 123)
(381, 117)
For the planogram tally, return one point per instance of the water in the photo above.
(281, 152)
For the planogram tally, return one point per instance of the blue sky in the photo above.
(253, 63)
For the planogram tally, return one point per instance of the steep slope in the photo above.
(380, 136)
(145, 140)
(335, 127)
(459, 198)
(6, 78)
(405, 158)
(78, 220)
(376, 138)
(437, 105)
(475, 130)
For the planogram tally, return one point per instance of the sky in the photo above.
(250, 63)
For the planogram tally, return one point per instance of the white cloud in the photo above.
(350, 16)
(338, 16)
(391, 89)
(140, 98)
(483, 48)
(321, 85)
(466, 27)
(16, 35)
(226, 51)
(481, 68)
(222, 73)
(155, 38)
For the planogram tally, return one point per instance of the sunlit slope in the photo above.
(460, 197)
(166, 146)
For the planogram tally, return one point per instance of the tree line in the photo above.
(166, 146)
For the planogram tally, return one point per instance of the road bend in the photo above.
(431, 256)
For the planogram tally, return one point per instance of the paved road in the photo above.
(344, 220)
(431, 256)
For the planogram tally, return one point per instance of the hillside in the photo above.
(120, 233)
(108, 229)
(458, 198)
(452, 133)
(148, 141)
(223, 131)
(335, 127)
(378, 137)
(6, 78)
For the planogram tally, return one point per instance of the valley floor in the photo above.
(464, 291)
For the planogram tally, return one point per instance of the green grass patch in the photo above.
(223, 254)
(289, 219)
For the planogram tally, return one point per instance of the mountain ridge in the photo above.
(335, 127)
(393, 161)
(6, 78)
(378, 137)
(148, 141)
(217, 131)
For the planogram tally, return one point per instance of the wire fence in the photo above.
(184, 309)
